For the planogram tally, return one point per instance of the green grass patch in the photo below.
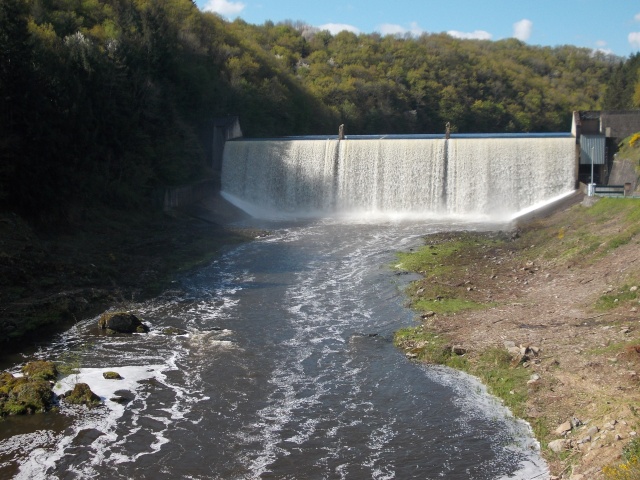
(586, 234)
(576, 244)
(448, 305)
(493, 366)
(609, 301)
(540, 428)
(505, 381)
(447, 257)
(606, 208)
(631, 450)
(439, 258)
(611, 349)
(427, 260)
(428, 347)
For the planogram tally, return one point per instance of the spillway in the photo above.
(490, 176)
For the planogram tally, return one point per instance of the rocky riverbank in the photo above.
(49, 278)
(547, 316)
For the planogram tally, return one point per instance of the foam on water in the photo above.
(287, 367)
(476, 402)
(324, 303)
(53, 447)
(161, 363)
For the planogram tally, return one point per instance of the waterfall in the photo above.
(493, 176)
(500, 176)
(286, 176)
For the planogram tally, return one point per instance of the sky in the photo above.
(611, 26)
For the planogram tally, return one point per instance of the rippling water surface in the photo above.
(287, 371)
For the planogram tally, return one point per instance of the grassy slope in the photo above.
(452, 264)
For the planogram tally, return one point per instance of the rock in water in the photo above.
(121, 322)
(21, 395)
(82, 395)
(120, 399)
(40, 370)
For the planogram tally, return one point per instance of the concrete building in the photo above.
(598, 134)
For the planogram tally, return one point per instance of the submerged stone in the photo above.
(174, 331)
(121, 399)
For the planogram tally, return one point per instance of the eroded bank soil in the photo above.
(565, 284)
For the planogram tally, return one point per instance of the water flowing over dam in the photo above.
(494, 176)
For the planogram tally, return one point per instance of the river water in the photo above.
(287, 372)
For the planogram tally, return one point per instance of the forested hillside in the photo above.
(104, 100)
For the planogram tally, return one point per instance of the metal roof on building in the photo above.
(592, 146)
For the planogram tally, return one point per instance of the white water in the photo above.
(490, 177)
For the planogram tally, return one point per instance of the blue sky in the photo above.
(612, 26)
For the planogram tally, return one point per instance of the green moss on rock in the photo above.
(111, 375)
(34, 395)
(23, 395)
(40, 369)
(82, 395)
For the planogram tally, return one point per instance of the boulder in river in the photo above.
(40, 370)
(82, 395)
(21, 395)
(121, 322)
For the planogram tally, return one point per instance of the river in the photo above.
(287, 371)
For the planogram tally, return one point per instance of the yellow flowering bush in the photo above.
(634, 139)
(625, 471)
(629, 469)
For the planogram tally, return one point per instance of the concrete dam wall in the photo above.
(494, 176)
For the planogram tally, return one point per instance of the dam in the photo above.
(465, 175)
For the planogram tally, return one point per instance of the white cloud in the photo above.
(335, 28)
(224, 7)
(393, 29)
(601, 48)
(637, 17)
(475, 35)
(522, 29)
(634, 39)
